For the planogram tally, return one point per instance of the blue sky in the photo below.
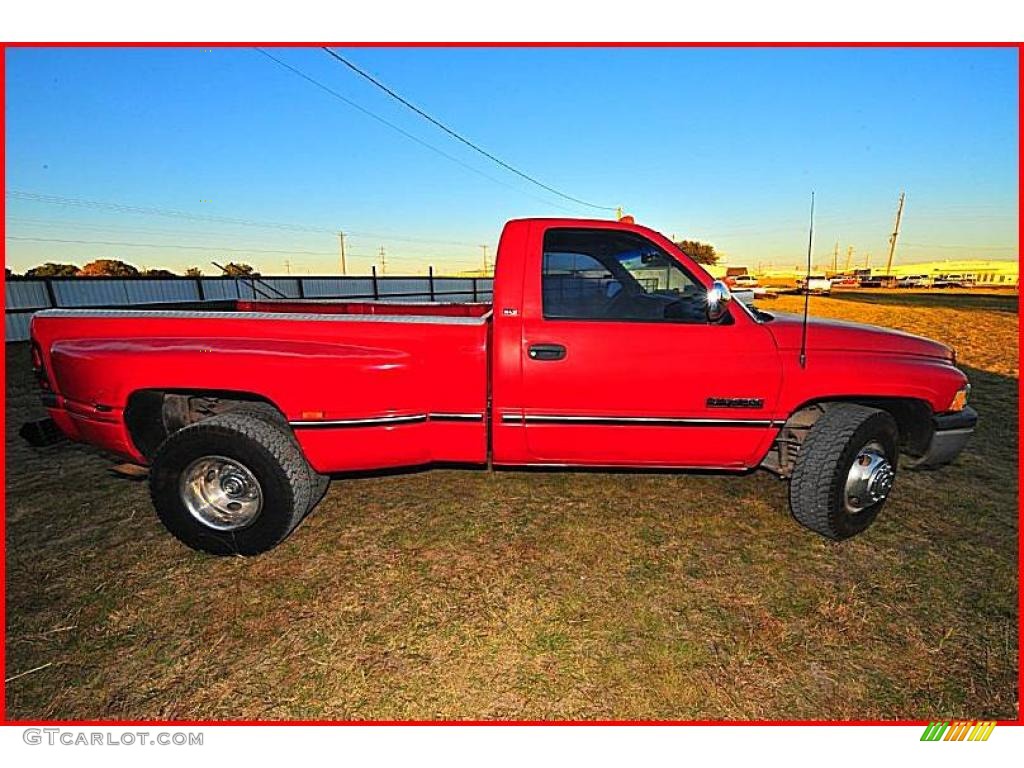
(722, 145)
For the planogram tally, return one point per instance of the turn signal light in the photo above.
(960, 399)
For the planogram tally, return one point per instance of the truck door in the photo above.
(621, 366)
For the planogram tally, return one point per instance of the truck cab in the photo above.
(605, 354)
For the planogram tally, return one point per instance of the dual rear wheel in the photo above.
(236, 483)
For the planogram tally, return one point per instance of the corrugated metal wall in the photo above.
(323, 288)
(143, 291)
(25, 294)
(23, 297)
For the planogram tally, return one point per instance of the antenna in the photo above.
(807, 289)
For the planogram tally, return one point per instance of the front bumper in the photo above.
(952, 431)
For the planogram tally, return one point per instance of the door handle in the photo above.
(546, 352)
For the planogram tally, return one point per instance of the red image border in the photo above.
(497, 44)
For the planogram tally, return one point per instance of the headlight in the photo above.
(960, 399)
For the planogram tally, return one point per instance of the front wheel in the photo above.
(231, 484)
(844, 470)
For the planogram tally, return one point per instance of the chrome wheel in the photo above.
(869, 480)
(221, 493)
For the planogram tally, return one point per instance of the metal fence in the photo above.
(25, 296)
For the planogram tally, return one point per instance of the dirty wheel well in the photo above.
(153, 414)
(913, 420)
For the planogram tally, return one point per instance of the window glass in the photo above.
(597, 274)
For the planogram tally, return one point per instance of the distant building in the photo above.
(992, 273)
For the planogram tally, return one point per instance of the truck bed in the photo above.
(364, 385)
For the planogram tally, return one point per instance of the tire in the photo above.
(264, 460)
(818, 496)
(318, 483)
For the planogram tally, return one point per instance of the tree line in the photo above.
(702, 253)
(116, 268)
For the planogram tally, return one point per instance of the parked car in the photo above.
(745, 288)
(815, 284)
(878, 281)
(744, 281)
(954, 281)
(605, 346)
(913, 281)
(744, 295)
(845, 281)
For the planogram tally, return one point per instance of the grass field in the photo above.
(461, 594)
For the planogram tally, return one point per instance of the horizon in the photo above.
(755, 268)
(246, 161)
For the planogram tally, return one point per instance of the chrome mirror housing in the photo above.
(718, 299)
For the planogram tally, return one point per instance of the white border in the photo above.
(515, 747)
(522, 21)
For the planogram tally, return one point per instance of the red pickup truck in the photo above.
(605, 346)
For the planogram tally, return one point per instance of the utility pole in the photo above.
(383, 264)
(849, 257)
(485, 258)
(895, 233)
(341, 248)
(287, 267)
(835, 258)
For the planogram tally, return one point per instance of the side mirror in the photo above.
(718, 299)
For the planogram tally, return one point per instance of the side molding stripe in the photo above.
(513, 419)
(636, 421)
(387, 421)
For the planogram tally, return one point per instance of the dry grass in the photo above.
(461, 594)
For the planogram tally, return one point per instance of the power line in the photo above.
(208, 248)
(69, 224)
(459, 137)
(76, 202)
(175, 246)
(412, 137)
(413, 250)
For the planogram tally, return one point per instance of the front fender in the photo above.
(851, 375)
